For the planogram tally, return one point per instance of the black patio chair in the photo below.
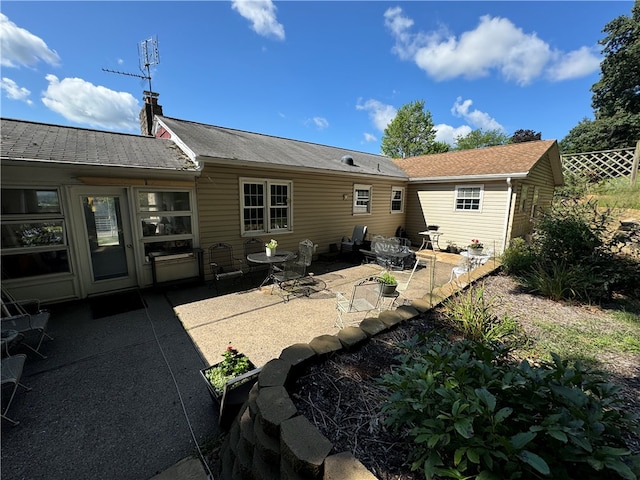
(224, 266)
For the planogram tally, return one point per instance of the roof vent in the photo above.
(348, 160)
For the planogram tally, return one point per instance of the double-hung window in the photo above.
(468, 198)
(361, 199)
(397, 199)
(266, 205)
(34, 237)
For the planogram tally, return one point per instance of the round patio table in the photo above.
(261, 257)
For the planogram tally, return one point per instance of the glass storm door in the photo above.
(109, 245)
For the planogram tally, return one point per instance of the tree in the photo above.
(616, 95)
(478, 139)
(618, 89)
(521, 136)
(410, 133)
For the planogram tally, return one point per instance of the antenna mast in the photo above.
(148, 55)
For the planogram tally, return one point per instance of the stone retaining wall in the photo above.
(270, 440)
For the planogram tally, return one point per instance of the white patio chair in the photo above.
(365, 297)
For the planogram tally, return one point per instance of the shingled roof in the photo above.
(213, 143)
(40, 142)
(515, 159)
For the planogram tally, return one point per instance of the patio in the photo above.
(260, 323)
(121, 396)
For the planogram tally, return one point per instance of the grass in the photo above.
(587, 339)
(617, 193)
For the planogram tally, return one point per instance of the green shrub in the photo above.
(471, 413)
(518, 258)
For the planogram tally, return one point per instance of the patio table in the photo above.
(430, 237)
(261, 257)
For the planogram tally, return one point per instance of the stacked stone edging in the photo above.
(269, 440)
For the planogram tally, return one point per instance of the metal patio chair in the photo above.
(351, 245)
(224, 266)
(254, 245)
(365, 297)
(26, 319)
(288, 276)
(11, 372)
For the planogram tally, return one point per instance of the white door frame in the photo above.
(85, 269)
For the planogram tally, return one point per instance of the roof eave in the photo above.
(294, 168)
(469, 178)
(17, 161)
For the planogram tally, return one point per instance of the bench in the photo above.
(390, 252)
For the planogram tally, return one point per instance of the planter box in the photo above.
(235, 394)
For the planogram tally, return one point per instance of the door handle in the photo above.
(129, 245)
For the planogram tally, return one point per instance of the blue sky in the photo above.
(328, 72)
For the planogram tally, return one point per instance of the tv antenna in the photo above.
(148, 55)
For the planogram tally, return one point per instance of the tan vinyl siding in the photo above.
(319, 211)
(540, 178)
(435, 205)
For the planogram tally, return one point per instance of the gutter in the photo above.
(507, 214)
(469, 178)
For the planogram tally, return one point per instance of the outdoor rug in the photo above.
(108, 305)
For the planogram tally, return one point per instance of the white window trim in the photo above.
(480, 200)
(402, 200)
(357, 210)
(267, 182)
(141, 214)
(535, 201)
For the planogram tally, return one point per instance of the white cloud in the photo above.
(575, 64)
(82, 102)
(369, 137)
(496, 44)
(20, 48)
(476, 118)
(320, 122)
(262, 15)
(379, 113)
(14, 92)
(447, 133)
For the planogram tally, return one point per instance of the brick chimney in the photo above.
(149, 110)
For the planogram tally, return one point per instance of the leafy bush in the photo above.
(569, 256)
(472, 314)
(473, 414)
(518, 258)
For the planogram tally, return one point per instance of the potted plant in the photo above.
(388, 282)
(271, 247)
(475, 247)
(229, 383)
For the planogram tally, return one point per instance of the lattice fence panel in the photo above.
(600, 165)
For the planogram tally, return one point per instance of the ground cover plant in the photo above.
(472, 412)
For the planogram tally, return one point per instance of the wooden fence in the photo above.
(604, 164)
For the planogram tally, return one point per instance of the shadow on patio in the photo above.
(260, 323)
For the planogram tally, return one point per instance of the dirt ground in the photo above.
(340, 396)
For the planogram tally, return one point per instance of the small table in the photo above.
(261, 257)
(475, 259)
(430, 237)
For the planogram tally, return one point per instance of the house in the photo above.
(82, 210)
(490, 194)
(259, 185)
(86, 212)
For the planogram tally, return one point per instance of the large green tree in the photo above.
(410, 133)
(520, 136)
(479, 138)
(616, 95)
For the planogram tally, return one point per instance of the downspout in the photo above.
(507, 214)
